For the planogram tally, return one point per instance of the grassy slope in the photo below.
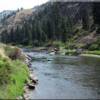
(13, 74)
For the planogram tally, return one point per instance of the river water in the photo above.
(65, 77)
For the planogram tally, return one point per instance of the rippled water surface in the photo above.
(65, 77)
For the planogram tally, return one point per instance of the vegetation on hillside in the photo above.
(13, 73)
(65, 22)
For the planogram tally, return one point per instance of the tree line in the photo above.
(51, 24)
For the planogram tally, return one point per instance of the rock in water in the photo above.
(33, 78)
(31, 86)
(34, 81)
(52, 53)
(25, 97)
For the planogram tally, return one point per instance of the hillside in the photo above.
(5, 14)
(13, 72)
(53, 21)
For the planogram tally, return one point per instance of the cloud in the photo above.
(15, 4)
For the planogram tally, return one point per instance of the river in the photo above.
(65, 77)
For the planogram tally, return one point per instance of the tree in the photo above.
(84, 15)
(96, 12)
(4, 37)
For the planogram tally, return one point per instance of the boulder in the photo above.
(25, 89)
(26, 61)
(31, 86)
(33, 78)
(29, 57)
(19, 98)
(29, 65)
(31, 70)
(34, 81)
(52, 53)
(25, 97)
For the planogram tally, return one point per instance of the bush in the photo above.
(71, 52)
(57, 44)
(14, 53)
(93, 47)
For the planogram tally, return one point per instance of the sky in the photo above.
(15, 4)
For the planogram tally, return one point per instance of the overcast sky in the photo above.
(15, 4)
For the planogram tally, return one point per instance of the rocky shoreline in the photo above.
(33, 80)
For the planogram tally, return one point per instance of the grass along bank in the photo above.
(13, 72)
(95, 52)
(69, 48)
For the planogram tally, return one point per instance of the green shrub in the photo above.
(13, 75)
(71, 52)
(58, 44)
(93, 47)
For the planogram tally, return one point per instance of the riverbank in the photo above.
(67, 52)
(58, 47)
(95, 52)
(14, 73)
(90, 55)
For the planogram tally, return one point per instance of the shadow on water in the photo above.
(66, 77)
